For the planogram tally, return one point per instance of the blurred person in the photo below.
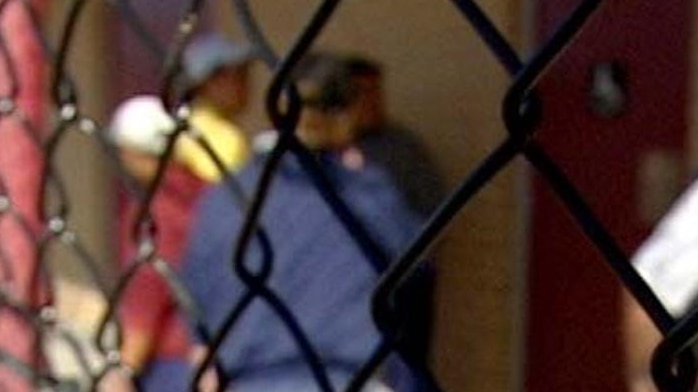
(155, 338)
(216, 80)
(344, 93)
(318, 271)
(375, 136)
(397, 149)
(667, 261)
(390, 144)
(156, 343)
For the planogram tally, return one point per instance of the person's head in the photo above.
(367, 78)
(328, 118)
(139, 128)
(216, 70)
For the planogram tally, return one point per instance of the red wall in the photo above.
(138, 70)
(574, 306)
(20, 170)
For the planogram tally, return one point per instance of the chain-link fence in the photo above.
(37, 227)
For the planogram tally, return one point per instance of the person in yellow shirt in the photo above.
(216, 78)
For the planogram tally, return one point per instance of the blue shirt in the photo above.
(318, 271)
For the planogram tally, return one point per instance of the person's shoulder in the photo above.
(378, 202)
(369, 181)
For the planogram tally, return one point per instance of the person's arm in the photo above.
(640, 337)
(666, 261)
(135, 350)
(138, 344)
(140, 313)
(210, 380)
(142, 309)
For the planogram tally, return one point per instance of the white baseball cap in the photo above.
(141, 123)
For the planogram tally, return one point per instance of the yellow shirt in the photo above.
(228, 142)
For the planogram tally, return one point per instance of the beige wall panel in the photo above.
(79, 159)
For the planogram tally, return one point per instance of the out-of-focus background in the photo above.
(524, 301)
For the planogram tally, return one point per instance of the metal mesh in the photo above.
(521, 114)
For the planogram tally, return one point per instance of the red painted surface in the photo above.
(573, 342)
(20, 167)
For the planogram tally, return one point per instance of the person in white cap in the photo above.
(215, 79)
(155, 340)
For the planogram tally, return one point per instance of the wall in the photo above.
(627, 167)
(79, 159)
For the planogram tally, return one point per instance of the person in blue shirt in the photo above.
(318, 270)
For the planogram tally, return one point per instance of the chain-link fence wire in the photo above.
(521, 112)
